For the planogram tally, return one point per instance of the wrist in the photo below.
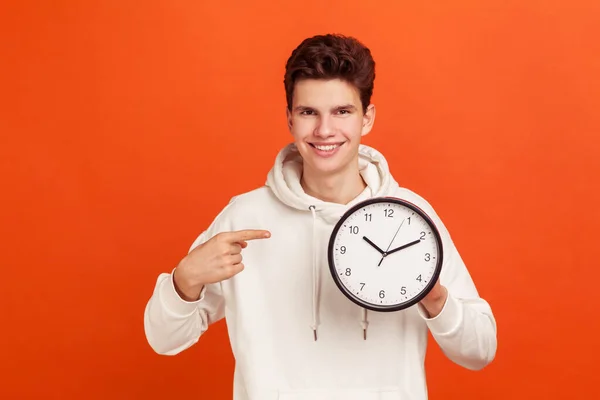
(434, 302)
(184, 289)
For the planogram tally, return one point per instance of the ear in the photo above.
(368, 120)
(288, 115)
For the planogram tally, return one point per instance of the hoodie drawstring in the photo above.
(315, 290)
(315, 299)
(364, 323)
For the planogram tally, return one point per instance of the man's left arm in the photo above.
(460, 321)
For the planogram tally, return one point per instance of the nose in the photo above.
(325, 127)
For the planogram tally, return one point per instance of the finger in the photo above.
(248, 234)
(234, 248)
(233, 269)
(234, 259)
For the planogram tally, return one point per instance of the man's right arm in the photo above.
(173, 324)
(189, 299)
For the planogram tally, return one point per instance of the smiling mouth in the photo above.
(326, 147)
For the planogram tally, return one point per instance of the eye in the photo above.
(343, 111)
(307, 112)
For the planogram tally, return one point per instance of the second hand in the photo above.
(390, 245)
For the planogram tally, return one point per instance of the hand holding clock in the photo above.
(435, 300)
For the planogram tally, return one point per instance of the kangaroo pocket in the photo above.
(344, 394)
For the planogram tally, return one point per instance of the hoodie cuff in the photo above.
(448, 320)
(174, 303)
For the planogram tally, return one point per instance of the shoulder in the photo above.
(424, 204)
(238, 213)
(247, 204)
(415, 198)
(260, 197)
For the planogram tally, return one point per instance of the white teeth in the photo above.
(326, 148)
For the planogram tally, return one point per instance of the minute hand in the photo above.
(403, 247)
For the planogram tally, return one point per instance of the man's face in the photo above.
(327, 122)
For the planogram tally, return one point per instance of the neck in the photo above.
(340, 187)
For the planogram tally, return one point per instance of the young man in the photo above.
(262, 263)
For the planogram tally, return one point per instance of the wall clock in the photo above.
(385, 254)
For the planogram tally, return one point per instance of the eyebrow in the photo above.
(341, 107)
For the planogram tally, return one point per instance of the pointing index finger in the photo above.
(249, 234)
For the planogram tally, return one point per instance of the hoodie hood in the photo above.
(284, 181)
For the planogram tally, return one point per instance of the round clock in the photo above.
(385, 254)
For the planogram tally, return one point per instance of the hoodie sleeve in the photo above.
(465, 329)
(172, 324)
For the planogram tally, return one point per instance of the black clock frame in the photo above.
(348, 293)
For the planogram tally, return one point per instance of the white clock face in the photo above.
(385, 255)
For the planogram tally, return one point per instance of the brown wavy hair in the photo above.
(331, 56)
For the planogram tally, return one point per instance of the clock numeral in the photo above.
(427, 256)
(403, 290)
(353, 229)
(362, 286)
(381, 294)
(408, 220)
(419, 278)
(348, 272)
(422, 236)
(343, 249)
(368, 217)
(388, 212)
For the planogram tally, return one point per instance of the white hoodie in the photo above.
(285, 298)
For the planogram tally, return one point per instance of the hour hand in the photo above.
(373, 244)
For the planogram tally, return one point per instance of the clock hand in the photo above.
(398, 230)
(373, 244)
(390, 245)
(403, 247)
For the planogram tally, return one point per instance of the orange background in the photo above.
(114, 116)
